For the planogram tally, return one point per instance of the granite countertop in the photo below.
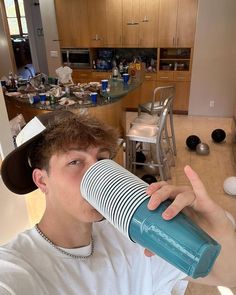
(117, 90)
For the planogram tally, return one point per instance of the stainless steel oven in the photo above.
(76, 58)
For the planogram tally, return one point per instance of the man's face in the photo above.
(63, 181)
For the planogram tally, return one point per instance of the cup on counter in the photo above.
(94, 96)
(42, 98)
(126, 78)
(104, 84)
(33, 98)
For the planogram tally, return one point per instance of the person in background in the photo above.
(73, 250)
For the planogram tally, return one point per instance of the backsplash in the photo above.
(104, 57)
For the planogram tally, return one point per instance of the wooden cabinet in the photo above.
(142, 94)
(186, 24)
(98, 76)
(145, 92)
(140, 23)
(148, 27)
(97, 23)
(122, 23)
(147, 88)
(182, 90)
(85, 76)
(174, 68)
(15, 108)
(130, 23)
(114, 23)
(177, 22)
(72, 23)
(82, 76)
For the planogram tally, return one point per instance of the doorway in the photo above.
(27, 38)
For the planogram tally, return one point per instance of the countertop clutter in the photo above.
(47, 93)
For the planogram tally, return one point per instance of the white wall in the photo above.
(51, 38)
(214, 61)
(36, 36)
(6, 64)
(13, 211)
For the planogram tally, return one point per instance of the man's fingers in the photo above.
(182, 200)
(197, 185)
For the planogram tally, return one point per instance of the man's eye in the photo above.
(74, 162)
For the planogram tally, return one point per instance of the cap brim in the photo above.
(16, 172)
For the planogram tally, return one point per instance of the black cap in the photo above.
(15, 169)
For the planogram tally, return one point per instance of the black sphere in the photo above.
(218, 135)
(148, 178)
(140, 158)
(192, 141)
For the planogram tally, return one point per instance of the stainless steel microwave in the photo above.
(76, 58)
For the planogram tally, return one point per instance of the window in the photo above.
(16, 17)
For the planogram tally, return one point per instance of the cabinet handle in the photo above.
(132, 23)
(173, 41)
(164, 77)
(148, 77)
(145, 19)
(97, 38)
(177, 42)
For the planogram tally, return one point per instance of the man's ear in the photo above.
(39, 176)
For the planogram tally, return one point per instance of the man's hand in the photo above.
(195, 202)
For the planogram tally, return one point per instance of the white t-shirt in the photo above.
(29, 265)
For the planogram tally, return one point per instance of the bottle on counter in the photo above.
(121, 68)
(115, 71)
(41, 88)
(94, 65)
(11, 81)
(67, 91)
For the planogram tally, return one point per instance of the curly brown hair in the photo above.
(81, 131)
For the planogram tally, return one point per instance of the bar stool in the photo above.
(153, 141)
(155, 107)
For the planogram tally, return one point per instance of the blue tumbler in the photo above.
(121, 198)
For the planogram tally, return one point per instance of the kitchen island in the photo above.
(109, 107)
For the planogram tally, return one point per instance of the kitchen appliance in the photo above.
(76, 58)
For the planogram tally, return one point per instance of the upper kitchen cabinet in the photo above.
(114, 23)
(97, 23)
(140, 23)
(177, 22)
(72, 23)
(131, 23)
(148, 28)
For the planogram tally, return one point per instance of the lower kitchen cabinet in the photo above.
(181, 100)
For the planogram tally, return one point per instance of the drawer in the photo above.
(150, 76)
(165, 76)
(182, 76)
(98, 76)
(80, 76)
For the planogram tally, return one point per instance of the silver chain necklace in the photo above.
(63, 251)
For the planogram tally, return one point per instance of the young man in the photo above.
(73, 250)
